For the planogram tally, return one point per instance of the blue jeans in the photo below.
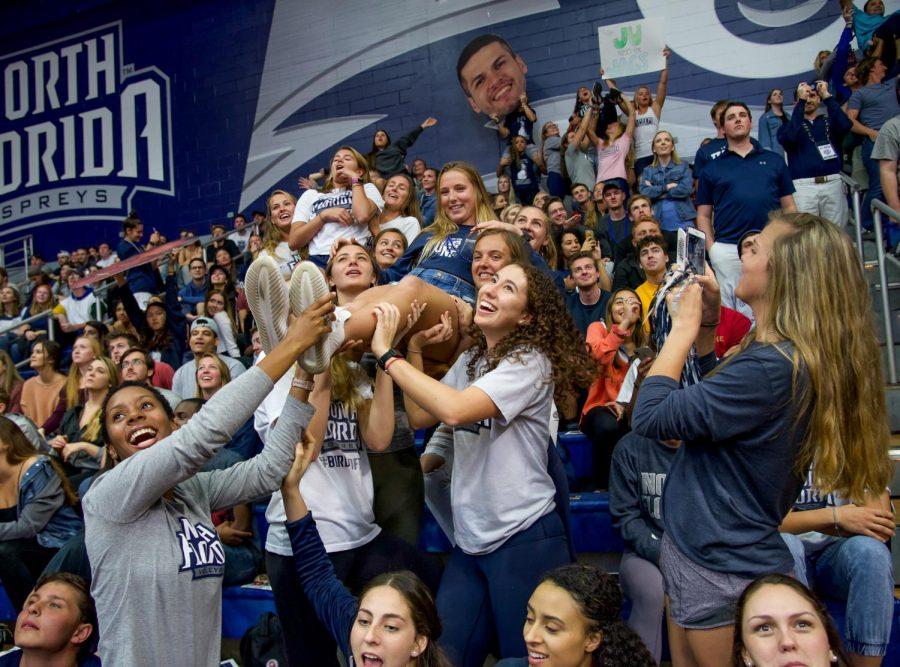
(451, 284)
(858, 570)
(482, 599)
(242, 563)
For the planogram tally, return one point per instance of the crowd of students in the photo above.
(291, 359)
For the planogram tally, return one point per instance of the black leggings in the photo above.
(604, 431)
(21, 563)
(306, 640)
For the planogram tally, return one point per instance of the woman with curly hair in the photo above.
(574, 619)
(498, 398)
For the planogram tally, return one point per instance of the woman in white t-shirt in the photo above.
(498, 399)
(648, 111)
(346, 207)
(350, 417)
(401, 210)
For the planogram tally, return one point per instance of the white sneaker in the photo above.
(267, 295)
(308, 286)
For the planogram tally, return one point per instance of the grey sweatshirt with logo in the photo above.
(157, 564)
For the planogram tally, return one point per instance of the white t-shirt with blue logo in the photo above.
(500, 481)
(313, 202)
(337, 488)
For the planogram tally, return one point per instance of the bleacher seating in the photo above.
(592, 530)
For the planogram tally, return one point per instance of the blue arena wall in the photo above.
(189, 112)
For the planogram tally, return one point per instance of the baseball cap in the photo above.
(612, 184)
(206, 323)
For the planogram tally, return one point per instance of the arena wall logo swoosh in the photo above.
(694, 31)
(314, 46)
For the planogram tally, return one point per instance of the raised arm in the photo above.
(128, 490)
(334, 604)
(628, 108)
(262, 474)
(583, 126)
(663, 86)
(443, 403)
(376, 419)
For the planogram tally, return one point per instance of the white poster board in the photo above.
(633, 47)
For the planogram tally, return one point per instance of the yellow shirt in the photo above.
(646, 291)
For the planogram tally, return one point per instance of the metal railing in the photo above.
(854, 188)
(17, 254)
(879, 208)
(99, 291)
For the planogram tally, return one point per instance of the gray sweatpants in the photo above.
(642, 583)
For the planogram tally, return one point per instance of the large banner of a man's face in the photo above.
(492, 76)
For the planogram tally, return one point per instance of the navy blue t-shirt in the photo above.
(584, 315)
(734, 479)
(743, 190)
(14, 658)
(707, 153)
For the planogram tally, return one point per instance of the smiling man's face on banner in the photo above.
(491, 76)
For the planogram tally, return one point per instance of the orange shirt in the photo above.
(604, 345)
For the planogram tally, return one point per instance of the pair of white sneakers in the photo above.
(271, 300)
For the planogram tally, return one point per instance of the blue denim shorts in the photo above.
(451, 284)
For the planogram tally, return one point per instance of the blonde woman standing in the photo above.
(801, 389)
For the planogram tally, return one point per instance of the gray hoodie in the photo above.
(158, 564)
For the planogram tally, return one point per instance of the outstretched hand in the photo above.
(686, 308)
(439, 333)
(429, 122)
(387, 317)
(305, 452)
(411, 319)
(306, 329)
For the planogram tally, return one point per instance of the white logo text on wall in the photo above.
(81, 133)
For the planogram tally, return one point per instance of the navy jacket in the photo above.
(804, 160)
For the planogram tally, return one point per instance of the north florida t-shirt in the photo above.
(500, 485)
(313, 202)
(337, 488)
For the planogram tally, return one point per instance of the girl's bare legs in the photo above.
(361, 324)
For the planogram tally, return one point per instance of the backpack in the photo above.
(261, 645)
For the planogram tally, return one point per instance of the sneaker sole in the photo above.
(267, 296)
(308, 286)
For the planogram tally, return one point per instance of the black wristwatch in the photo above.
(386, 357)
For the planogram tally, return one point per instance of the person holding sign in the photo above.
(813, 146)
(647, 114)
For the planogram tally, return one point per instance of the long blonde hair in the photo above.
(224, 371)
(818, 299)
(345, 382)
(361, 163)
(443, 226)
(91, 430)
(73, 382)
(272, 235)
